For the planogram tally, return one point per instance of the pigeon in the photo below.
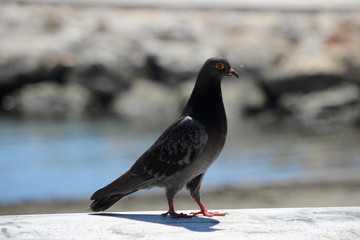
(184, 151)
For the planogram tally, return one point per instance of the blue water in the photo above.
(44, 160)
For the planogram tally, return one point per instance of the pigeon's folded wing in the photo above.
(176, 148)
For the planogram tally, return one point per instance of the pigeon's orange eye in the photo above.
(220, 65)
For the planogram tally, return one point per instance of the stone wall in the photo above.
(72, 60)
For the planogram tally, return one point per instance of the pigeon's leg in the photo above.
(194, 187)
(170, 194)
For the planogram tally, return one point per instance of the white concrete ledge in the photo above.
(291, 223)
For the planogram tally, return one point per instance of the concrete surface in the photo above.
(280, 223)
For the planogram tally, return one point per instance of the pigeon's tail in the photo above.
(103, 203)
(110, 194)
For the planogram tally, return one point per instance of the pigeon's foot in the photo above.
(176, 215)
(173, 214)
(206, 213)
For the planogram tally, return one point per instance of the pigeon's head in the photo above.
(219, 67)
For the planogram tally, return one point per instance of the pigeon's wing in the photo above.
(176, 148)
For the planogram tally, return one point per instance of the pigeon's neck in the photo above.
(206, 101)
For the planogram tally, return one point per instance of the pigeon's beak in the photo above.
(231, 72)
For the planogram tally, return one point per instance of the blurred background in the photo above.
(87, 86)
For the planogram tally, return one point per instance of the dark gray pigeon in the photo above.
(183, 153)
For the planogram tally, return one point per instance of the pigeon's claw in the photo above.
(176, 215)
(206, 213)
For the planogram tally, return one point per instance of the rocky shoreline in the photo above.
(66, 61)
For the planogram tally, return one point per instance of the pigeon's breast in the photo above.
(199, 166)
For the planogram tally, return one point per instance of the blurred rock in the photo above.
(52, 100)
(337, 105)
(147, 99)
(20, 72)
(274, 89)
(156, 71)
(104, 84)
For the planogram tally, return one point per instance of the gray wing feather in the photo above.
(176, 148)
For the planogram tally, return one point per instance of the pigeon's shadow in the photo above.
(197, 224)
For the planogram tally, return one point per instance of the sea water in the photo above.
(70, 159)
